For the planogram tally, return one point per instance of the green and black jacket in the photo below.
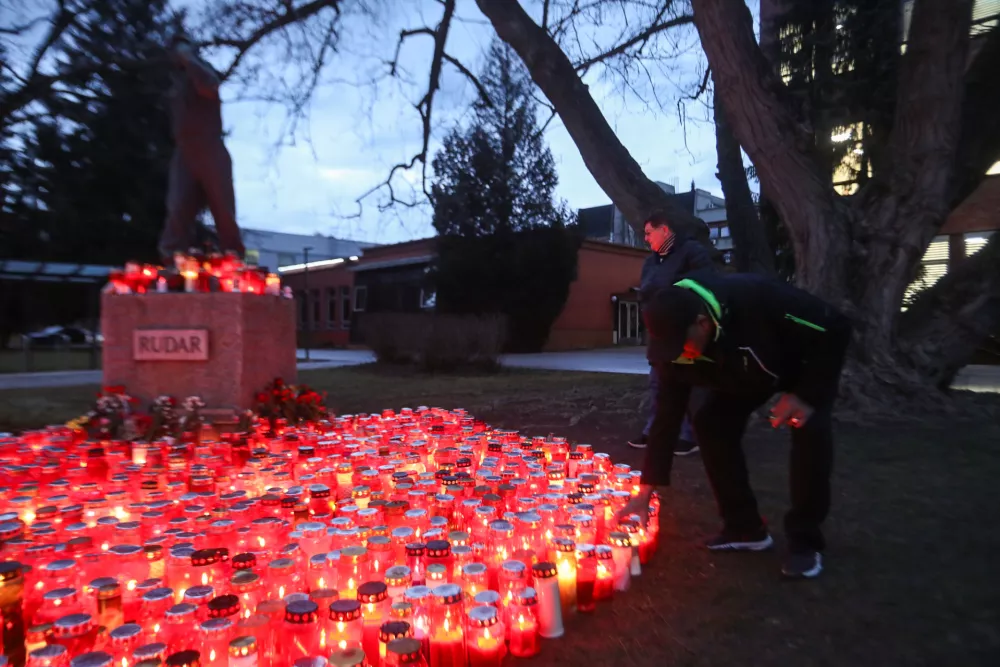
(770, 337)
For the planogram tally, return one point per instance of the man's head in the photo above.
(679, 323)
(657, 231)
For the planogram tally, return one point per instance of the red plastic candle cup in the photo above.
(447, 640)
(389, 631)
(604, 585)
(586, 577)
(374, 599)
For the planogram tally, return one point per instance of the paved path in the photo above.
(630, 360)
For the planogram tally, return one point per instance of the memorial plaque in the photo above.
(170, 345)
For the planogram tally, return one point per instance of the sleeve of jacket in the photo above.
(671, 406)
(820, 334)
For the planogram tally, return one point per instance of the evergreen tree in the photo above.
(505, 245)
(89, 183)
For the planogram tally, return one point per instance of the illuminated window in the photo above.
(994, 170)
(934, 265)
(974, 242)
(252, 257)
(848, 138)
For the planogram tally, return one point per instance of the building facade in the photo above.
(602, 308)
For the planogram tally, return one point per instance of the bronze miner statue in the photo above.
(201, 171)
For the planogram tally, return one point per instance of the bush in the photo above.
(435, 342)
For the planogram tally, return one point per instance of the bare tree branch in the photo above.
(291, 15)
(424, 108)
(641, 40)
(22, 28)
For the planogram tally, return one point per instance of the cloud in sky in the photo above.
(354, 134)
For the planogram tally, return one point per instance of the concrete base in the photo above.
(251, 340)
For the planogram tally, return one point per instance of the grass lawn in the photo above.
(13, 361)
(911, 574)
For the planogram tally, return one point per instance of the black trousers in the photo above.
(719, 424)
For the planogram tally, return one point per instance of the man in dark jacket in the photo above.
(746, 338)
(672, 256)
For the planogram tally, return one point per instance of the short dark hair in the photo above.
(658, 219)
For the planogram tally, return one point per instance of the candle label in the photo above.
(170, 345)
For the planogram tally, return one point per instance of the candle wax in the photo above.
(448, 651)
(485, 652)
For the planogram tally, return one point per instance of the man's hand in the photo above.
(791, 410)
(638, 505)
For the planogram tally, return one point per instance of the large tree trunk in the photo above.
(752, 251)
(858, 252)
(612, 166)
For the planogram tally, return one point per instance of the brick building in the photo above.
(333, 295)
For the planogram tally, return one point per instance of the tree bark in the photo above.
(612, 166)
(979, 144)
(752, 251)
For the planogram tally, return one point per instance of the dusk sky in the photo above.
(354, 134)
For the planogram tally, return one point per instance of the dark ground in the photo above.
(911, 573)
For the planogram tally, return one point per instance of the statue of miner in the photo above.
(201, 171)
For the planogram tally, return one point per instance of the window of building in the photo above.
(428, 299)
(360, 298)
(303, 308)
(286, 258)
(317, 308)
(932, 267)
(727, 257)
(252, 257)
(847, 142)
(345, 306)
(331, 307)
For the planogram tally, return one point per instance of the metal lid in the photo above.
(527, 596)
(397, 575)
(243, 646)
(488, 597)
(281, 564)
(152, 650)
(447, 593)
(49, 655)
(184, 659)
(224, 606)
(372, 591)
(244, 561)
(544, 570)
(301, 612)
(394, 630)
(125, 633)
(215, 626)
(603, 552)
(345, 610)
(158, 594)
(406, 650)
(92, 659)
(199, 593)
(349, 657)
(483, 616)
(177, 613)
(514, 568)
(438, 548)
(72, 625)
(474, 569)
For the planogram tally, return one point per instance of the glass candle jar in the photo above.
(604, 584)
(545, 576)
(352, 571)
(485, 640)
(474, 580)
(565, 554)
(77, 632)
(300, 636)
(123, 641)
(380, 556)
(374, 599)
(586, 577)
(243, 652)
(348, 657)
(512, 578)
(404, 652)
(447, 640)
(216, 634)
(387, 632)
(397, 580)
(416, 553)
(282, 578)
(523, 624)
(180, 624)
(346, 627)
(53, 655)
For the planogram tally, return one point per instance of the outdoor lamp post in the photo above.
(306, 333)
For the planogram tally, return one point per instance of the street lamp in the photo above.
(310, 308)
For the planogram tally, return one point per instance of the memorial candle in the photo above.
(485, 640)
(389, 631)
(604, 584)
(374, 599)
(565, 554)
(243, 651)
(11, 606)
(404, 652)
(346, 628)
(299, 637)
(545, 577)
(397, 579)
(524, 624)
(586, 577)
(621, 548)
(447, 641)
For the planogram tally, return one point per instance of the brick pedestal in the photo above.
(250, 337)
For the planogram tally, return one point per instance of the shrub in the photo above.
(435, 342)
